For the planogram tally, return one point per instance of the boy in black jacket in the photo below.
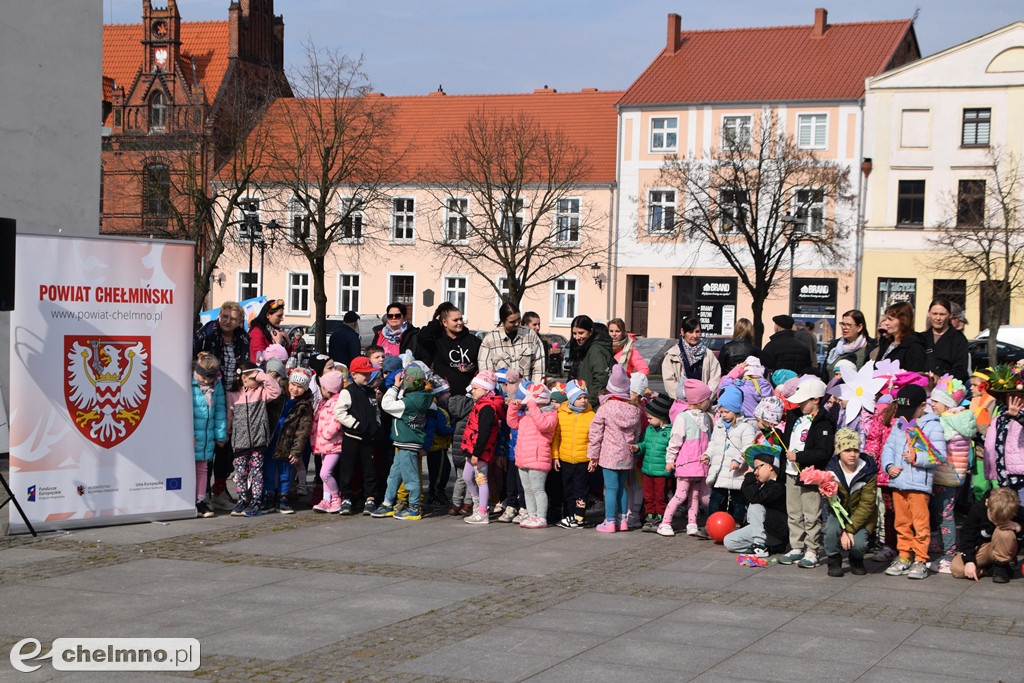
(809, 439)
(990, 537)
(766, 512)
(356, 411)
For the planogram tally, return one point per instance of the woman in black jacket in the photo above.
(852, 344)
(906, 345)
(945, 346)
(739, 347)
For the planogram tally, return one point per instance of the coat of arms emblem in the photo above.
(106, 385)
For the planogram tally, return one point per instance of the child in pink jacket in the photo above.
(533, 449)
(325, 438)
(691, 431)
(616, 427)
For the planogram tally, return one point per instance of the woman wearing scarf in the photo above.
(853, 344)
(590, 356)
(690, 359)
(623, 350)
(395, 335)
(265, 329)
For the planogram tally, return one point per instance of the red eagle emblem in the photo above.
(106, 385)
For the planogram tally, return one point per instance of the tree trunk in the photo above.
(319, 303)
(757, 309)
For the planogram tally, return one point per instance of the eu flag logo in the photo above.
(174, 484)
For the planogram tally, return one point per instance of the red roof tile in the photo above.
(204, 41)
(783, 63)
(588, 118)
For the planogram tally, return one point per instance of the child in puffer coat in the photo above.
(209, 422)
(652, 451)
(250, 434)
(459, 408)
(725, 460)
(325, 437)
(296, 424)
(615, 428)
(1004, 454)
(958, 428)
(536, 430)
(569, 449)
(687, 443)
(749, 378)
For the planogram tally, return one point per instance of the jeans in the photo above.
(831, 539)
(727, 500)
(405, 469)
(279, 476)
(614, 494)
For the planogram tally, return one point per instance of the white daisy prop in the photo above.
(858, 390)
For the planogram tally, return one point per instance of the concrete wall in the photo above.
(50, 108)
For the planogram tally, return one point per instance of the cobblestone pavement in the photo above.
(316, 597)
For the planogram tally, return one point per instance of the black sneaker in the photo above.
(346, 507)
(284, 508)
(253, 510)
(239, 509)
(269, 505)
(369, 506)
(1001, 572)
(203, 510)
(570, 522)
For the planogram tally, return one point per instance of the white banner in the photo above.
(101, 397)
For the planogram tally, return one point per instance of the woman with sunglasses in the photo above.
(852, 344)
(395, 334)
(265, 329)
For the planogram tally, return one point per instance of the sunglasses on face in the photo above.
(394, 316)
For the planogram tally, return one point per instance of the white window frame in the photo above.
(410, 216)
(662, 203)
(743, 123)
(461, 218)
(561, 288)
(291, 287)
(240, 284)
(242, 232)
(357, 214)
(817, 122)
(350, 291)
(669, 128)
(461, 294)
(813, 225)
(574, 216)
(517, 219)
(738, 193)
(296, 210)
(498, 298)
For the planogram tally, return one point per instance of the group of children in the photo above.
(771, 455)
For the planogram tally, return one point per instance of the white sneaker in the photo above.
(665, 529)
(478, 518)
(692, 529)
(518, 519)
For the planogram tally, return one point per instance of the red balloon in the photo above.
(719, 525)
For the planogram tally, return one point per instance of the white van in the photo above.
(1009, 334)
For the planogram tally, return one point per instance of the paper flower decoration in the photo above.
(827, 485)
(859, 389)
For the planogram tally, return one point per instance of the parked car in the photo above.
(366, 325)
(1005, 353)
(715, 342)
(558, 353)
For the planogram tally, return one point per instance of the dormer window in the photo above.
(157, 111)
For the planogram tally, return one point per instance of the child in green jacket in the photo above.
(652, 449)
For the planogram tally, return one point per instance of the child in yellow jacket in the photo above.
(569, 450)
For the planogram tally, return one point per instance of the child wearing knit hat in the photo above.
(480, 441)
(569, 447)
(615, 427)
(291, 439)
(691, 430)
(749, 378)
(731, 436)
(958, 427)
(536, 427)
(652, 450)
(857, 477)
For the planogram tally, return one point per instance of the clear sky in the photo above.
(485, 46)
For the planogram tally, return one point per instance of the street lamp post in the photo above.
(254, 232)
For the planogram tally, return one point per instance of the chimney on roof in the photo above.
(820, 22)
(673, 42)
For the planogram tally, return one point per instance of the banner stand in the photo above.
(11, 498)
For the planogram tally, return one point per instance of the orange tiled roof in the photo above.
(204, 41)
(588, 118)
(782, 63)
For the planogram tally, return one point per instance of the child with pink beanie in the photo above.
(480, 440)
(616, 426)
(691, 430)
(533, 448)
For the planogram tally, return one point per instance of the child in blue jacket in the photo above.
(209, 422)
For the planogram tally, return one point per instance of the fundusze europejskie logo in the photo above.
(106, 385)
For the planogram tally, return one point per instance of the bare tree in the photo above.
(983, 243)
(510, 198)
(753, 201)
(331, 159)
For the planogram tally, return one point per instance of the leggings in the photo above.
(481, 492)
(533, 482)
(249, 475)
(614, 494)
(202, 474)
(942, 501)
(688, 490)
(327, 475)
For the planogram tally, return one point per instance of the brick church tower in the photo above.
(175, 95)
